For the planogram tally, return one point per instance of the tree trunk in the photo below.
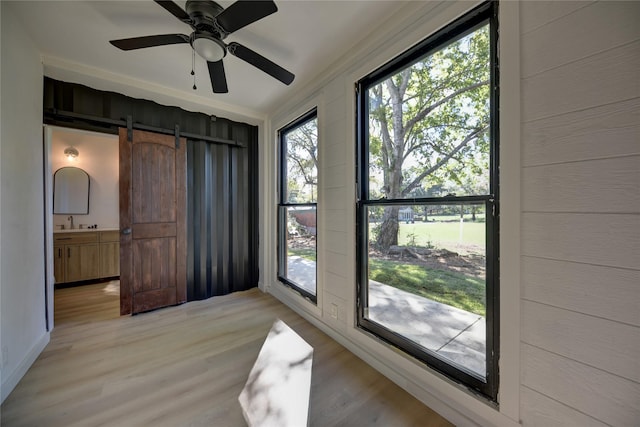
(388, 233)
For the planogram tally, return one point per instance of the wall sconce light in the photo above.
(71, 153)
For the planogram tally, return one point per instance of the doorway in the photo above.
(82, 246)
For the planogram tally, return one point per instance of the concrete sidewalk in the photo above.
(454, 334)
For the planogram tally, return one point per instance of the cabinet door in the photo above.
(58, 263)
(82, 262)
(109, 259)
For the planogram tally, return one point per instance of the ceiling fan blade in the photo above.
(260, 62)
(218, 78)
(242, 13)
(149, 41)
(175, 10)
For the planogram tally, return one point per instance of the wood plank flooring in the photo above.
(186, 366)
(87, 303)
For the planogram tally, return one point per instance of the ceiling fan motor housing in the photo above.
(203, 14)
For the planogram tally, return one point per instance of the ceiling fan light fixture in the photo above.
(208, 47)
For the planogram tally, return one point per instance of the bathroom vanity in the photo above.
(86, 254)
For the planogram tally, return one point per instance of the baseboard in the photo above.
(10, 382)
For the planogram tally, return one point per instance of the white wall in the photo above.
(581, 213)
(99, 158)
(334, 96)
(22, 315)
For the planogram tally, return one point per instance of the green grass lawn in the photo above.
(441, 234)
(454, 289)
(307, 253)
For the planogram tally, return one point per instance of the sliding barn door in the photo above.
(152, 221)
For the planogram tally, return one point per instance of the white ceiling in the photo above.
(305, 37)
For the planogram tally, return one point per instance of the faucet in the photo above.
(70, 219)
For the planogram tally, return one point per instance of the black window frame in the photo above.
(475, 18)
(284, 204)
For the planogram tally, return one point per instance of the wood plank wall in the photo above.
(581, 213)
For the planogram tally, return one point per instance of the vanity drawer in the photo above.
(75, 238)
(110, 236)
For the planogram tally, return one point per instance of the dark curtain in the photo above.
(222, 167)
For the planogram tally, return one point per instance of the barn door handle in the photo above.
(126, 230)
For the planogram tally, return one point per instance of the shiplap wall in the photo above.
(580, 335)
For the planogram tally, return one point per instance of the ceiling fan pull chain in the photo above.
(193, 66)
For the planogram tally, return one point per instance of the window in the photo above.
(427, 210)
(298, 195)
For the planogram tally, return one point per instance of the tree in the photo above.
(302, 155)
(429, 123)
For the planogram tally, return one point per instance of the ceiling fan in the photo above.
(211, 25)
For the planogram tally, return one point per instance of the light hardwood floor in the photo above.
(186, 366)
